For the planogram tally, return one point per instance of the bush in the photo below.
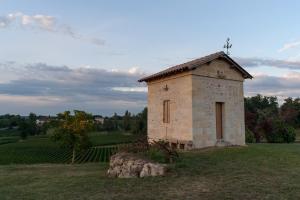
(170, 154)
(159, 151)
(155, 155)
(289, 134)
(281, 133)
(249, 136)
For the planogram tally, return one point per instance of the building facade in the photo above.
(198, 104)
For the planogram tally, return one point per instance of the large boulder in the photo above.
(126, 165)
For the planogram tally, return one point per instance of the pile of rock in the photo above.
(126, 165)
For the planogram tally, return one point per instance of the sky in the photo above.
(88, 55)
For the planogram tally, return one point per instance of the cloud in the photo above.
(45, 23)
(45, 88)
(257, 62)
(290, 45)
(282, 87)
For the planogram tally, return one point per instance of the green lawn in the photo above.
(260, 171)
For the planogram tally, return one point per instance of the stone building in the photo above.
(199, 103)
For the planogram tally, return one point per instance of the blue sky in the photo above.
(84, 42)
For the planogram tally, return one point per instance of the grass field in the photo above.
(260, 171)
(40, 149)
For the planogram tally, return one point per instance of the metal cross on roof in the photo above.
(227, 46)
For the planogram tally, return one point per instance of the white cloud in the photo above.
(44, 88)
(133, 70)
(130, 89)
(290, 45)
(46, 23)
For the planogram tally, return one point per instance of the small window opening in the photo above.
(166, 111)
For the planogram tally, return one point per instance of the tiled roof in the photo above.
(193, 65)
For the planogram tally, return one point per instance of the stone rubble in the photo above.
(126, 165)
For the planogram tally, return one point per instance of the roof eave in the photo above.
(217, 55)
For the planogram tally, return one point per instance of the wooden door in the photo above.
(219, 120)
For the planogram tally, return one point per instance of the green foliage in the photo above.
(72, 131)
(9, 121)
(249, 136)
(290, 112)
(264, 118)
(170, 154)
(136, 124)
(160, 150)
(281, 133)
(140, 126)
(126, 121)
(28, 127)
(258, 111)
(155, 155)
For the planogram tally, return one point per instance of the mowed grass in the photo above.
(37, 150)
(260, 171)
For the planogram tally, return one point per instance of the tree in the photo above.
(24, 129)
(141, 123)
(260, 111)
(108, 124)
(33, 129)
(126, 121)
(27, 126)
(290, 112)
(115, 119)
(72, 131)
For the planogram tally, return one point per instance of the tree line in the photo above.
(28, 125)
(267, 121)
(131, 123)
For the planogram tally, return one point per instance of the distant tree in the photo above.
(27, 126)
(32, 117)
(14, 121)
(72, 131)
(127, 121)
(24, 129)
(115, 120)
(290, 112)
(141, 123)
(34, 130)
(108, 124)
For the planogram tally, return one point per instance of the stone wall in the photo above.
(179, 93)
(209, 88)
(193, 96)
